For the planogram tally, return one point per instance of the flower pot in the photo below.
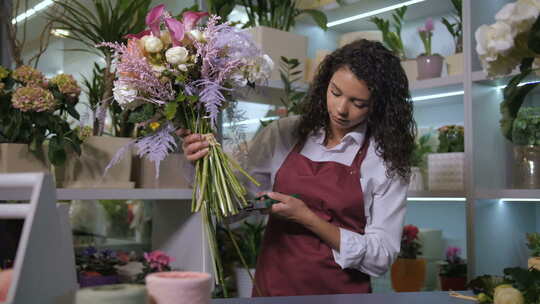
(525, 168)
(16, 158)
(445, 171)
(411, 69)
(429, 66)
(277, 43)
(417, 180)
(534, 262)
(454, 64)
(87, 170)
(179, 287)
(453, 283)
(96, 280)
(170, 172)
(244, 285)
(408, 274)
(113, 294)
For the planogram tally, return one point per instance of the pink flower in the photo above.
(429, 24)
(158, 259)
(153, 19)
(176, 28)
(410, 232)
(452, 253)
(33, 99)
(29, 76)
(191, 18)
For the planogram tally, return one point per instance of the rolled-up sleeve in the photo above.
(374, 251)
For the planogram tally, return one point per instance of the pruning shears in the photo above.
(260, 203)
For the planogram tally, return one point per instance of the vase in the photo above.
(179, 287)
(429, 66)
(454, 64)
(408, 274)
(17, 158)
(525, 171)
(453, 283)
(445, 171)
(533, 262)
(97, 280)
(244, 285)
(417, 182)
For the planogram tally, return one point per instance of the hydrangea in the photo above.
(66, 85)
(33, 99)
(29, 76)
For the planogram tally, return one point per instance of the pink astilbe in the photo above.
(136, 72)
(156, 147)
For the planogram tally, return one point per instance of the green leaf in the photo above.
(318, 16)
(170, 110)
(534, 36)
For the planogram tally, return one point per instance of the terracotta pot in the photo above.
(453, 283)
(429, 66)
(408, 274)
(534, 262)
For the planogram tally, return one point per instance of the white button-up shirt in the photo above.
(384, 198)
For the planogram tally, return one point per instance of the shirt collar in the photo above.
(357, 135)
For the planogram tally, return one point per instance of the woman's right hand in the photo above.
(194, 145)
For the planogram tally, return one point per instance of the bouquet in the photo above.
(34, 109)
(455, 266)
(410, 245)
(176, 74)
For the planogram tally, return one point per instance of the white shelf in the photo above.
(437, 83)
(507, 193)
(449, 194)
(94, 194)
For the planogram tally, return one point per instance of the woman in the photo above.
(348, 159)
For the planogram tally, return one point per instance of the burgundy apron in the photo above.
(295, 261)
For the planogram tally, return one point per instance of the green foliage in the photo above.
(421, 149)
(451, 139)
(527, 281)
(392, 39)
(526, 129)
(279, 14)
(117, 214)
(455, 27)
(533, 243)
(514, 94)
(249, 238)
(222, 8)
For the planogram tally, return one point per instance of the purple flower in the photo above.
(156, 147)
(88, 251)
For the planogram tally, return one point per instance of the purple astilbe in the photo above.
(156, 147)
(119, 155)
(211, 96)
(135, 71)
(101, 113)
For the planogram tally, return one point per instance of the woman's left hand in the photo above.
(289, 208)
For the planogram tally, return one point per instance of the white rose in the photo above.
(123, 94)
(177, 55)
(165, 37)
(183, 67)
(152, 44)
(506, 294)
(197, 35)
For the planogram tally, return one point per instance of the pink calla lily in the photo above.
(153, 19)
(429, 25)
(176, 28)
(138, 35)
(191, 18)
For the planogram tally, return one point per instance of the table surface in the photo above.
(438, 297)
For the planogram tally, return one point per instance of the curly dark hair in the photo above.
(390, 121)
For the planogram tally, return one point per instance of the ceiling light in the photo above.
(40, 6)
(441, 95)
(372, 13)
(520, 199)
(436, 199)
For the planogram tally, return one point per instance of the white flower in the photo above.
(165, 37)
(493, 40)
(183, 67)
(520, 16)
(152, 44)
(239, 79)
(197, 35)
(123, 94)
(177, 55)
(506, 294)
(158, 68)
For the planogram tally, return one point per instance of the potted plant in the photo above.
(154, 261)
(96, 267)
(269, 23)
(453, 271)
(520, 48)
(526, 137)
(419, 162)
(33, 111)
(408, 272)
(394, 41)
(533, 243)
(249, 239)
(455, 28)
(429, 64)
(446, 167)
